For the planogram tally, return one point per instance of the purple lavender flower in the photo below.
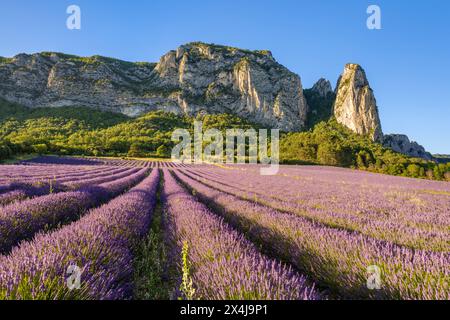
(224, 264)
(100, 244)
(20, 221)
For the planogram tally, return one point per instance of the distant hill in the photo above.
(442, 158)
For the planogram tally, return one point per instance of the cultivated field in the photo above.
(225, 232)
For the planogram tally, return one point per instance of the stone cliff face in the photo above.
(195, 78)
(355, 105)
(322, 87)
(199, 78)
(53, 79)
(401, 143)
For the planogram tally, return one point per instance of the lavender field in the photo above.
(73, 228)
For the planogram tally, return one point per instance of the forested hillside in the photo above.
(83, 131)
(330, 143)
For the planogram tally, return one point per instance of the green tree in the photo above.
(364, 159)
(40, 148)
(5, 151)
(327, 154)
(437, 174)
(163, 151)
(413, 170)
(136, 150)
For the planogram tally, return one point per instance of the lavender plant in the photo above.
(20, 221)
(336, 258)
(100, 244)
(216, 262)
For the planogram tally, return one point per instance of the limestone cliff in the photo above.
(401, 143)
(195, 78)
(355, 105)
(322, 87)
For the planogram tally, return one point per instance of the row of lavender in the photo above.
(220, 263)
(31, 186)
(74, 161)
(94, 238)
(417, 219)
(336, 258)
(333, 248)
(22, 182)
(18, 173)
(99, 245)
(21, 220)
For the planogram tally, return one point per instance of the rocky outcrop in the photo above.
(195, 78)
(355, 105)
(322, 87)
(401, 143)
(54, 80)
(320, 99)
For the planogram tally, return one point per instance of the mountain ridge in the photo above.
(198, 78)
(194, 78)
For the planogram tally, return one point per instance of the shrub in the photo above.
(40, 148)
(163, 151)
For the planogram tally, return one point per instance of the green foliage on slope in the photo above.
(5, 60)
(320, 108)
(330, 143)
(84, 131)
(91, 117)
(97, 60)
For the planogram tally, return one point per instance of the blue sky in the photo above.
(407, 61)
